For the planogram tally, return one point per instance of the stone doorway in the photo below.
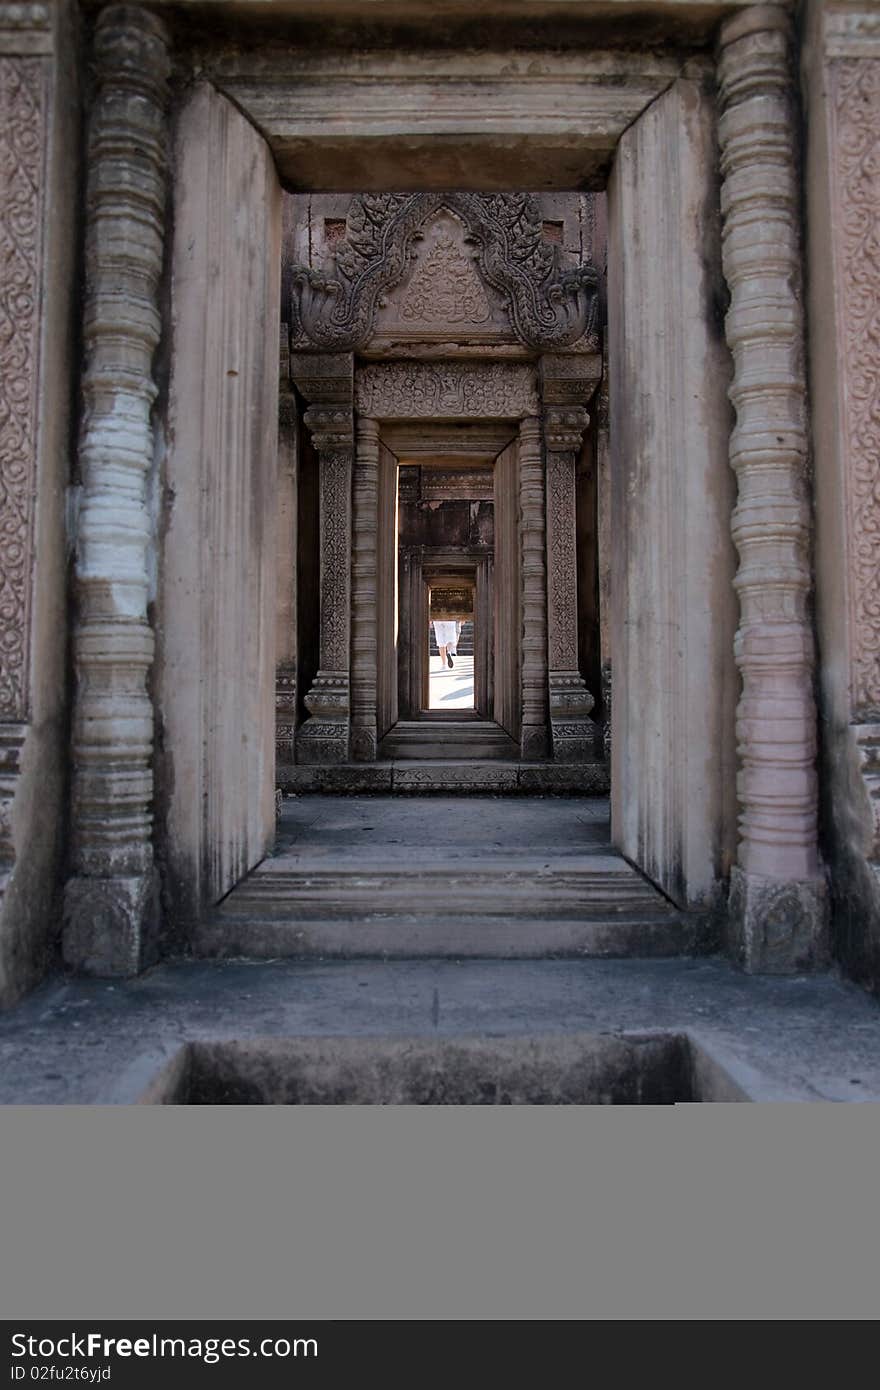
(635, 120)
(464, 345)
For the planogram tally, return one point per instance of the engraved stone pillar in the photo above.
(534, 738)
(841, 52)
(365, 592)
(324, 737)
(777, 888)
(573, 732)
(110, 905)
(25, 66)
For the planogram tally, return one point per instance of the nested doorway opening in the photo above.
(669, 499)
(457, 537)
(450, 687)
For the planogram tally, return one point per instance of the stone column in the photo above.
(365, 592)
(324, 737)
(777, 888)
(110, 904)
(534, 739)
(573, 732)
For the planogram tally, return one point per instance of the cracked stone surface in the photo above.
(92, 1042)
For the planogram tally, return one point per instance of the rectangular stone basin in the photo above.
(570, 1069)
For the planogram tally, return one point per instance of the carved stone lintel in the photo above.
(110, 907)
(548, 306)
(446, 390)
(778, 900)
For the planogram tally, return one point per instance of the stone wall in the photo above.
(39, 166)
(217, 610)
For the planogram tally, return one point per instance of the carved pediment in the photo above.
(442, 293)
(478, 258)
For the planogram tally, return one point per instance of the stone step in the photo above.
(451, 777)
(448, 936)
(574, 887)
(407, 897)
(478, 740)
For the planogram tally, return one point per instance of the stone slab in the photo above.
(216, 625)
(673, 606)
(87, 1042)
(590, 778)
(351, 778)
(442, 776)
(490, 120)
(447, 937)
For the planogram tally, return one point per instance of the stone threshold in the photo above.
(447, 776)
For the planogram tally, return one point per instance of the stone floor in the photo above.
(453, 823)
(451, 689)
(84, 1042)
(91, 1042)
(521, 877)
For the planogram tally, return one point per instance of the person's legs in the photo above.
(442, 651)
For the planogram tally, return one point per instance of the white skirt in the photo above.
(445, 634)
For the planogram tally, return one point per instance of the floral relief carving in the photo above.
(335, 545)
(563, 560)
(435, 390)
(856, 87)
(446, 289)
(549, 306)
(21, 163)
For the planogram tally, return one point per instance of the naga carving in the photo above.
(550, 307)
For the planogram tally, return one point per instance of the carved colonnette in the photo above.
(365, 592)
(567, 384)
(110, 903)
(326, 382)
(25, 42)
(547, 307)
(777, 888)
